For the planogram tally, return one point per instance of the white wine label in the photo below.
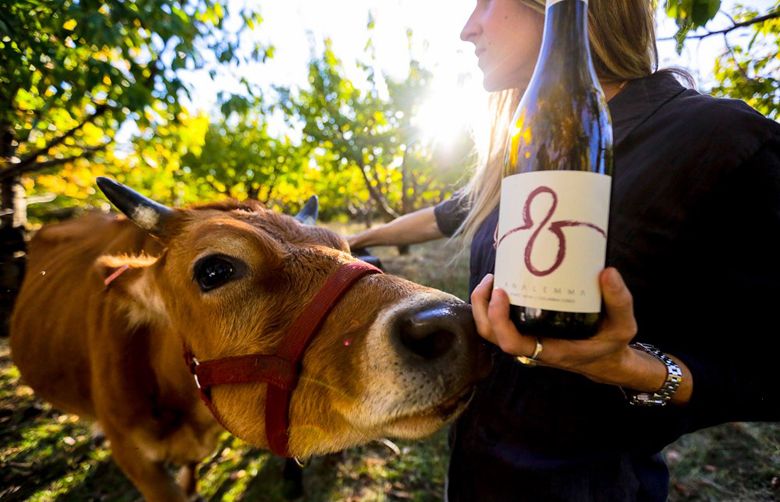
(551, 240)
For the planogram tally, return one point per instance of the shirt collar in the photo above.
(639, 100)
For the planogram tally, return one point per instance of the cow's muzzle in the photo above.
(427, 336)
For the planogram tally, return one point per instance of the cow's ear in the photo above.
(131, 278)
(309, 212)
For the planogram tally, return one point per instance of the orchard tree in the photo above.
(155, 165)
(72, 71)
(351, 123)
(241, 159)
(427, 167)
(367, 131)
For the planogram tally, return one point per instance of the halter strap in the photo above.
(282, 369)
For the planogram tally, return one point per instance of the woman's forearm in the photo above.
(643, 372)
(412, 228)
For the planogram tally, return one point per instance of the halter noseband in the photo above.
(282, 369)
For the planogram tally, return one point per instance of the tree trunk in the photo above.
(14, 205)
(12, 219)
(384, 208)
(7, 152)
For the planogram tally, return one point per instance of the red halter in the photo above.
(281, 370)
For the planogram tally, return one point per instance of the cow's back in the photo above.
(60, 296)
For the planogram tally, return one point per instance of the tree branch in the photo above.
(741, 69)
(725, 31)
(30, 158)
(19, 170)
(214, 187)
(376, 195)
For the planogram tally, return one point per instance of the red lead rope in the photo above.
(281, 370)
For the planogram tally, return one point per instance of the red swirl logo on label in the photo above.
(555, 227)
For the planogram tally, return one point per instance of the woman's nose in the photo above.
(471, 29)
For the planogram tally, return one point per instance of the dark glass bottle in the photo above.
(551, 240)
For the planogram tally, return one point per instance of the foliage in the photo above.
(73, 71)
(689, 14)
(746, 71)
(156, 165)
(366, 132)
(240, 159)
(752, 71)
(359, 150)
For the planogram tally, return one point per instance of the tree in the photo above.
(749, 72)
(367, 132)
(72, 71)
(241, 159)
(426, 169)
(752, 72)
(347, 121)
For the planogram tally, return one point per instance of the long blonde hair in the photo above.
(622, 42)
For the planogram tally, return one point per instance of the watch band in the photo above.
(663, 395)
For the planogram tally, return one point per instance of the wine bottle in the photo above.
(551, 238)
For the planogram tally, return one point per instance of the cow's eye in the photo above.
(214, 271)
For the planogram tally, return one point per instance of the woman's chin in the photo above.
(489, 84)
(493, 83)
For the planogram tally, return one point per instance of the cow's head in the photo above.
(392, 359)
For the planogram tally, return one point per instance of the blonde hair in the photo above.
(622, 44)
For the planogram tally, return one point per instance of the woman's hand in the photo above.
(352, 240)
(412, 228)
(605, 358)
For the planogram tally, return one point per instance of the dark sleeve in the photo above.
(451, 213)
(722, 318)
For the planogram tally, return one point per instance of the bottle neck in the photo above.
(565, 36)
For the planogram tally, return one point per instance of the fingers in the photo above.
(593, 357)
(490, 308)
(480, 301)
(504, 331)
(618, 302)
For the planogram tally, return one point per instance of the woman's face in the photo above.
(507, 36)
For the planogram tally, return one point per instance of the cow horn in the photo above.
(143, 211)
(308, 214)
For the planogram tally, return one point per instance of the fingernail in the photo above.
(487, 278)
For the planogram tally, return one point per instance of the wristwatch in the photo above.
(663, 395)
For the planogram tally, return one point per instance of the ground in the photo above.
(46, 455)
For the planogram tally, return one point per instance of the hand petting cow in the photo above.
(170, 324)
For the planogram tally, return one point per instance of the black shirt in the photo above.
(695, 232)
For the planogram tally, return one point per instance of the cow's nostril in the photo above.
(425, 341)
(431, 331)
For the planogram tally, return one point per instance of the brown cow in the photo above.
(392, 359)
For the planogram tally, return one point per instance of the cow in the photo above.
(119, 317)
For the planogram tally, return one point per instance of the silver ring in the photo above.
(533, 359)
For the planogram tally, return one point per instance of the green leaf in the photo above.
(703, 11)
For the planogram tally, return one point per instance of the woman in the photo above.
(693, 270)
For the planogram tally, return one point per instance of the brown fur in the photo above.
(114, 354)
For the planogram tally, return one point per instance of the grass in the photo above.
(50, 456)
